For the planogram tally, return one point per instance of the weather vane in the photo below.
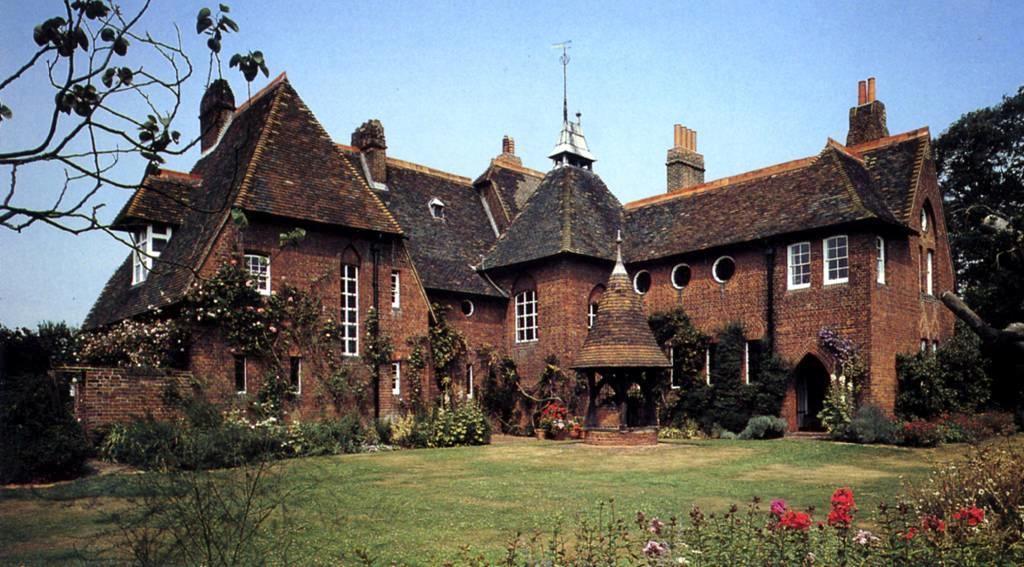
(564, 46)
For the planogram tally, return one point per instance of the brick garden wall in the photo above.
(103, 396)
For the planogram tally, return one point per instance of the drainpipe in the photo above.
(375, 254)
(769, 284)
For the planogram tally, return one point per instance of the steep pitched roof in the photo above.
(621, 336)
(834, 187)
(272, 158)
(572, 211)
(301, 174)
(514, 182)
(162, 197)
(895, 166)
(443, 250)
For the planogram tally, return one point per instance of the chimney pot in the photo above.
(871, 89)
(369, 138)
(684, 166)
(508, 145)
(862, 93)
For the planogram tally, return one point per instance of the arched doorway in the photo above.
(811, 379)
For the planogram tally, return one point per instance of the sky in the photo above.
(761, 82)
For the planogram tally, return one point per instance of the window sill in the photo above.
(837, 282)
(800, 288)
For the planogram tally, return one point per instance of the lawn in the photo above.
(420, 507)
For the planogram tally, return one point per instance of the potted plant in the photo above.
(554, 421)
(576, 428)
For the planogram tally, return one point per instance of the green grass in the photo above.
(419, 507)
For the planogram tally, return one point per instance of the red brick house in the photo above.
(852, 238)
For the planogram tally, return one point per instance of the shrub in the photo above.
(689, 429)
(40, 439)
(411, 431)
(764, 427)
(870, 424)
(920, 433)
(953, 379)
(500, 394)
(143, 443)
(464, 425)
(327, 437)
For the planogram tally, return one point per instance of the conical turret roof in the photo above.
(621, 336)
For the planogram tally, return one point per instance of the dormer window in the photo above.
(149, 243)
(436, 208)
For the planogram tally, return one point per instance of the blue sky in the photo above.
(761, 82)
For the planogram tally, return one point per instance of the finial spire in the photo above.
(565, 45)
(620, 268)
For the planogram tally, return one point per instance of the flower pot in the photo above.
(541, 434)
(559, 435)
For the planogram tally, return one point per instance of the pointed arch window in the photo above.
(880, 259)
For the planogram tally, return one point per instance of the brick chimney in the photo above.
(685, 167)
(216, 107)
(867, 119)
(508, 151)
(369, 138)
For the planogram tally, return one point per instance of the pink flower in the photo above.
(656, 526)
(654, 549)
(778, 507)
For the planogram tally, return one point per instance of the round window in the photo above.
(642, 282)
(723, 269)
(467, 307)
(680, 276)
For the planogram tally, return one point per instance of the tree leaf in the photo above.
(225, 8)
(121, 46)
(213, 44)
(108, 34)
(5, 112)
(235, 59)
(229, 23)
(203, 13)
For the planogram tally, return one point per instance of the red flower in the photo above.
(910, 534)
(794, 520)
(932, 523)
(843, 508)
(972, 516)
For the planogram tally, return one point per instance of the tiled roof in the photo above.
(443, 250)
(895, 164)
(621, 336)
(161, 198)
(515, 184)
(834, 187)
(273, 158)
(302, 175)
(572, 211)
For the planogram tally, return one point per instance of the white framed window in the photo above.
(469, 381)
(924, 345)
(799, 265)
(680, 276)
(837, 259)
(591, 314)
(935, 346)
(295, 374)
(436, 208)
(642, 282)
(672, 369)
(928, 280)
(149, 243)
(526, 316)
(707, 366)
(396, 289)
(396, 378)
(924, 219)
(746, 362)
(723, 269)
(880, 259)
(468, 308)
(258, 267)
(349, 310)
(241, 375)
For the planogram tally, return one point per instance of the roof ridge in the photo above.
(278, 80)
(429, 170)
(498, 162)
(179, 174)
(847, 182)
(565, 201)
(888, 140)
(779, 168)
(915, 175)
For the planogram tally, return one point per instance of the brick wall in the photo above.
(111, 395)
(314, 265)
(484, 331)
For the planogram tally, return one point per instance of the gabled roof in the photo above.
(895, 166)
(834, 187)
(161, 198)
(443, 250)
(514, 182)
(272, 158)
(572, 211)
(621, 336)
